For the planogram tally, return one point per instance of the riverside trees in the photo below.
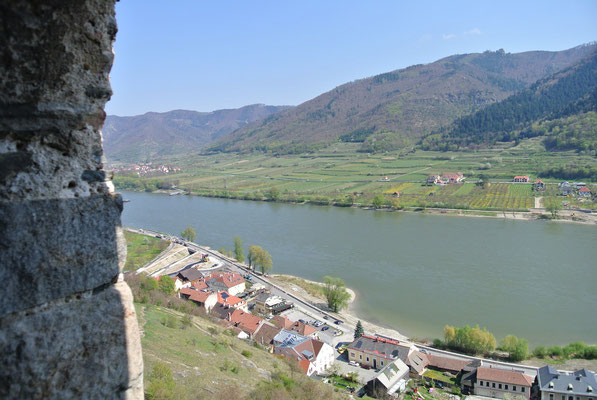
(189, 234)
(335, 293)
(259, 258)
(239, 253)
(470, 340)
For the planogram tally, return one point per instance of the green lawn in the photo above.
(140, 249)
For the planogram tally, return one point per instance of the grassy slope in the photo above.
(207, 362)
(337, 171)
(140, 249)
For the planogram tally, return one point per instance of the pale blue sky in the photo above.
(204, 56)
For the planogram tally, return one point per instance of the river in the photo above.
(412, 272)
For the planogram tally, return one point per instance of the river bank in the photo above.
(566, 216)
(294, 285)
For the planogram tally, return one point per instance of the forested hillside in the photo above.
(396, 109)
(570, 92)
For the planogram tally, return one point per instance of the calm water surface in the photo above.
(415, 273)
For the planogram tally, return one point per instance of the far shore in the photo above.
(566, 216)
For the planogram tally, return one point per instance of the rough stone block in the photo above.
(54, 248)
(84, 348)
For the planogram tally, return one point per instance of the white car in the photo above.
(354, 363)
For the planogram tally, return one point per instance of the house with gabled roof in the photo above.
(521, 179)
(189, 275)
(377, 352)
(230, 282)
(248, 323)
(552, 384)
(265, 335)
(584, 192)
(312, 356)
(296, 326)
(495, 382)
(230, 301)
(203, 298)
(390, 379)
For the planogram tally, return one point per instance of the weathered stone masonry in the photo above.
(68, 328)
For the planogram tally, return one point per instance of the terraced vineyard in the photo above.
(339, 174)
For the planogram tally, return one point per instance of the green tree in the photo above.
(359, 331)
(518, 349)
(189, 234)
(540, 352)
(335, 293)
(378, 201)
(553, 206)
(259, 258)
(239, 252)
(166, 284)
(273, 194)
(483, 180)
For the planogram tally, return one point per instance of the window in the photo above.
(493, 384)
(506, 387)
(487, 384)
(499, 385)
(551, 396)
(352, 354)
(481, 383)
(367, 359)
(522, 389)
(360, 356)
(513, 388)
(382, 362)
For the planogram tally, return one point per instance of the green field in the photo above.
(340, 174)
(141, 249)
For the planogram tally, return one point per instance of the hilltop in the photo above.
(143, 137)
(396, 109)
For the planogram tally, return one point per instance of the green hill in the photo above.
(395, 109)
(570, 92)
(144, 137)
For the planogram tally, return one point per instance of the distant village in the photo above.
(146, 169)
(271, 321)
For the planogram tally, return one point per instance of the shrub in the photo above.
(555, 351)
(246, 353)
(540, 351)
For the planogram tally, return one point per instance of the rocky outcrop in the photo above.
(67, 323)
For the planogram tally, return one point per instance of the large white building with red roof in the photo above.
(312, 356)
(495, 382)
(231, 282)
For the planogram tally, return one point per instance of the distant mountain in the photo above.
(143, 137)
(396, 109)
(569, 92)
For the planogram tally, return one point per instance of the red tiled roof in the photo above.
(196, 295)
(584, 189)
(229, 299)
(281, 322)
(500, 375)
(199, 284)
(521, 177)
(266, 333)
(229, 279)
(245, 321)
(447, 363)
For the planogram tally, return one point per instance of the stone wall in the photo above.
(68, 328)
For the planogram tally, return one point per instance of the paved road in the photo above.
(316, 313)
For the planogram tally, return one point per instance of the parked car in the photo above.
(325, 328)
(354, 363)
(337, 322)
(337, 333)
(326, 317)
(302, 321)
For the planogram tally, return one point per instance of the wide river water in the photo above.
(412, 272)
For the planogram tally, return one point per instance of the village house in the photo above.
(246, 322)
(521, 179)
(539, 185)
(295, 326)
(376, 352)
(567, 190)
(390, 379)
(231, 282)
(179, 283)
(190, 275)
(230, 301)
(313, 356)
(203, 298)
(557, 385)
(434, 180)
(495, 382)
(267, 304)
(452, 177)
(265, 335)
(584, 192)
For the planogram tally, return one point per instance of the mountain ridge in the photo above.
(398, 108)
